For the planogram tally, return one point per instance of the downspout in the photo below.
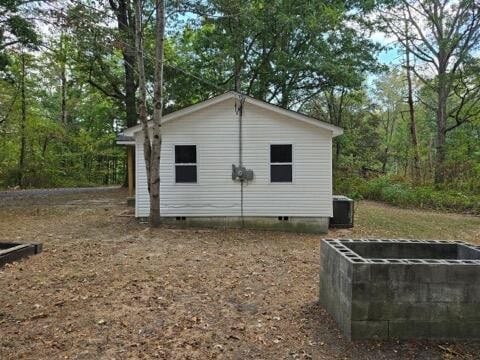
(239, 111)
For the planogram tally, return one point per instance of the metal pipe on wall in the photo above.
(239, 111)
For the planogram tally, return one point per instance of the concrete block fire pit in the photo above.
(15, 251)
(402, 288)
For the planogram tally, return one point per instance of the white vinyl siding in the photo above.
(142, 201)
(214, 130)
(310, 192)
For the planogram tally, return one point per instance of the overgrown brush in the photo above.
(406, 195)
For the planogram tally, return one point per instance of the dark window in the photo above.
(186, 173)
(280, 153)
(185, 154)
(281, 173)
(185, 163)
(281, 163)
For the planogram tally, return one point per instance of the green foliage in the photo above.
(311, 56)
(400, 193)
(80, 152)
(278, 51)
(16, 27)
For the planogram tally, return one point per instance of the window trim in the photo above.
(175, 164)
(292, 163)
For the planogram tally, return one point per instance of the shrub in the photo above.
(402, 194)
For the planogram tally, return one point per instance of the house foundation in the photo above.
(317, 225)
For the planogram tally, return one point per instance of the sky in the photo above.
(389, 56)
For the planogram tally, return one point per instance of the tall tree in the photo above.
(152, 140)
(282, 51)
(411, 111)
(444, 36)
(157, 112)
(23, 123)
(389, 99)
(126, 28)
(63, 79)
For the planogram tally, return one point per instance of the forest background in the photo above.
(401, 77)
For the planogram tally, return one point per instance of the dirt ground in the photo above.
(107, 287)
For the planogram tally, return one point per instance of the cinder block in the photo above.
(436, 298)
(459, 311)
(361, 273)
(369, 330)
(465, 274)
(38, 247)
(10, 252)
(408, 329)
(447, 292)
(375, 292)
(400, 311)
(455, 330)
(381, 272)
(360, 310)
(438, 273)
(410, 292)
(472, 294)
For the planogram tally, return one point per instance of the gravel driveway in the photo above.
(18, 198)
(18, 194)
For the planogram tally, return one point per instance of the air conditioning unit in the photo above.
(343, 212)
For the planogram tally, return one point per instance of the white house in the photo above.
(289, 155)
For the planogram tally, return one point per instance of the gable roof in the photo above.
(248, 99)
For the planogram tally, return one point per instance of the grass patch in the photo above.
(380, 220)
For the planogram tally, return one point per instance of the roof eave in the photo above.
(126, 143)
(337, 131)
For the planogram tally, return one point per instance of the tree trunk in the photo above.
(152, 144)
(442, 97)
(44, 147)
(237, 86)
(157, 115)
(23, 124)
(413, 125)
(441, 138)
(387, 146)
(127, 30)
(142, 85)
(126, 27)
(335, 113)
(130, 91)
(285, 96)
(63, 82)
(63, 79)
